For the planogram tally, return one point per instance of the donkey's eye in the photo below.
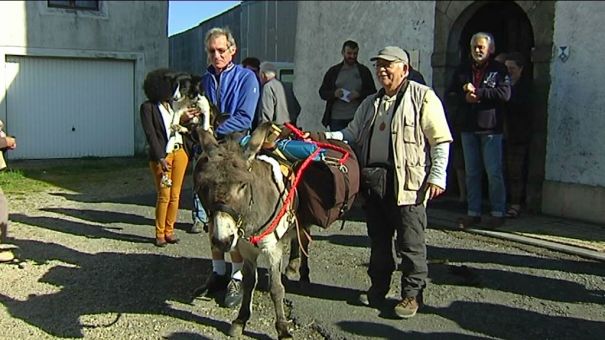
(242, 187)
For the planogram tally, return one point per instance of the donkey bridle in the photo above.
(237, 217)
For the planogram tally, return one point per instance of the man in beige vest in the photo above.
(403, 138)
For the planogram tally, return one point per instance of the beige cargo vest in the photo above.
(410, 150)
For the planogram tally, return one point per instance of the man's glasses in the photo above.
(386, 64)
(220, 51)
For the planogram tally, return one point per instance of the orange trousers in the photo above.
(167, 204)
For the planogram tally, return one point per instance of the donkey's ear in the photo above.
(257, 139)
(206, 139)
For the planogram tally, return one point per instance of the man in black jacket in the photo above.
(344, 87)
(482, 88)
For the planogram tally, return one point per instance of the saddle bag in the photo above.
(327, 189)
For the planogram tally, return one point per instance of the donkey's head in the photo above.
(227, 185)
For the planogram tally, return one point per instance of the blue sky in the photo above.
(183, 15)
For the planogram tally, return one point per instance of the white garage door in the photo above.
(69, 108)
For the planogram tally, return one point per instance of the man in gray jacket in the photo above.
(278, 103)
(402, 132)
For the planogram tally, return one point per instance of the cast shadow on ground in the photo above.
(102, 216)
(320, 291)
(382, 331)
(359, 241)
(521, 261)
(107, 283)
(186, 336)
(145, 199)
(77, 228)
(522, 284)
(515, 323)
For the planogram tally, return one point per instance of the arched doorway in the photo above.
(524, 26)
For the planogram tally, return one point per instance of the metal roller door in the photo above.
(69, 108)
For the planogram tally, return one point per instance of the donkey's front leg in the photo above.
(278, 293)
(249, 283)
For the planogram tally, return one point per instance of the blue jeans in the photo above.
(198, 213)
(486, 148)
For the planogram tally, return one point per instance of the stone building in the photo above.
(72, 74)
(567, 159)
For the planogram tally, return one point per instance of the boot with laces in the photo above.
(407, 307)
(215, 283)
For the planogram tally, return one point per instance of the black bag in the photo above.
(374, 181)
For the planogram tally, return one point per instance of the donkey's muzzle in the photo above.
(224, 245)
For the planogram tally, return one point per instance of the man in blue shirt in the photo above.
(235, 91)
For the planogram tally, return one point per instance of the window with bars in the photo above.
(74, 4)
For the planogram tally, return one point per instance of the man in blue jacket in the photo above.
(235, 91)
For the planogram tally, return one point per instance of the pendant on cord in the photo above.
(382, 126)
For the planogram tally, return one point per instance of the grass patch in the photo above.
(35, 176)
(14, 181)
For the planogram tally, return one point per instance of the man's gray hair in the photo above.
(218, 31)
(268, 69)
(488, 37)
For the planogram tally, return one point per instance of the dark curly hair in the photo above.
(158, 86)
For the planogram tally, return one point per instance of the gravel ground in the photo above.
(88, 268)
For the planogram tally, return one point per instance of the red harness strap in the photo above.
(255, 239)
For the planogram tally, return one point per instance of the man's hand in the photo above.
(471, 98)
(164, 165)
(468, 87)
(338, 93)
(11, 143)
(8, 142)
(435, 190)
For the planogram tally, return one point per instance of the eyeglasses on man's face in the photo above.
(220, 51)
(385, 64)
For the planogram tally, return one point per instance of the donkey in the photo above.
(243, 194)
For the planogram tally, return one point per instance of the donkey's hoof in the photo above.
(237, 328)
(292, 269)
(291, 274)
(282, 330)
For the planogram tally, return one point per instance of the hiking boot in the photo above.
(160, 242)
(468, 221)
(370, 299)
(407, 307)
(234, 294)
(198, 227)
(493, 222)
(214, 283)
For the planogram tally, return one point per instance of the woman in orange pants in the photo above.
(167, 157)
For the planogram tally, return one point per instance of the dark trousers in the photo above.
(516, 156)
(385, 219)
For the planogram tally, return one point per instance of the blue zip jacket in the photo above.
(235, 91)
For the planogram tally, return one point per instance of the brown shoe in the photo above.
(160, 242)
(493, 222)
(407, 307)
(468, 221)
(172, 239)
